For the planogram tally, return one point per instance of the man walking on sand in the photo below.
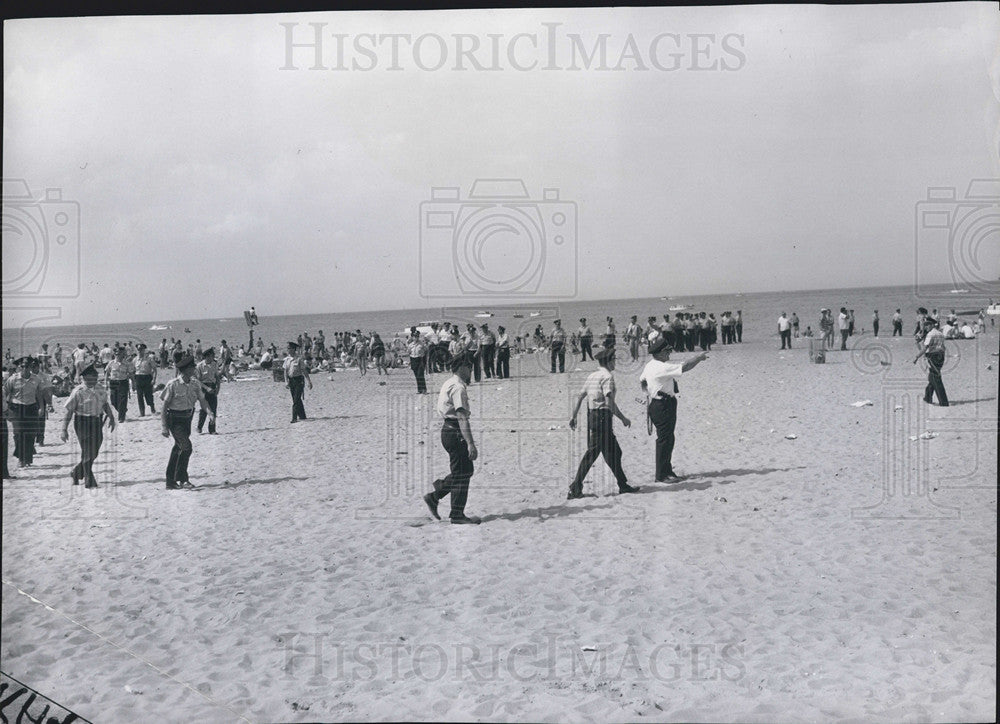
(785, 331)
(456, 438)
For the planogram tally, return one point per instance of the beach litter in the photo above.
(862, 403)
(588, 648)
(897, 408)
(129, 690)
(791, 436)
(924, 436)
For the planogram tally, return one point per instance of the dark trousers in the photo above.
(739, 332)
(91, 436)
(503, 363)
(43, 415)
(786, 338)
(663, 414)
(897, 329)
(456, 483)
(6, 446)
(144, 393)
(558, 352)
(844, 334)
(489, 359)
(212, 398)
(585, 349)
(118, 390)
(935, 385)
(679, 340)
(417, 365)
(875, 328)
(601, 440)
(297, 386)
(179, 425)
(24, 420)
(477, 365)
(633, 348)
(705, 339)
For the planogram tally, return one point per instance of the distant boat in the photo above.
(484, 314)
(959, 291)
(535, 314)
(681, 307)
(664, 299)
(518, 316)
(160, 326)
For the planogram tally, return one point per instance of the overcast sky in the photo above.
(220, 162)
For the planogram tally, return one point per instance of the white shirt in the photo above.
(660, 376)
(454, 396)
(783, 323)
(597, 387)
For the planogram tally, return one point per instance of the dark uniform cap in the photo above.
(141, 345)
(461, 360)
(209, 351)
(660, 344)
(89, 371)
(26, 360)
(185, 362)
(604, 354)
(293, 345)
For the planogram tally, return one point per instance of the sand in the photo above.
(846, 574)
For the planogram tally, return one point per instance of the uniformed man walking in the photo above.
(145, 378)
(557, 346)
(23, 396)
(118, 374)
(503, 354)
(296, 377)
(659, 381)
(207, 373)
(456, 437)
(179, 397)
(40, 368)
(417, 348)
(586, 335)
(86, 407)
(933, 348)
(488, 348)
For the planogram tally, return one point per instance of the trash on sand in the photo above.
(588, 648)
(897, 408)
(862, 403)
(130, 690)
(928, 435)
(791, 436)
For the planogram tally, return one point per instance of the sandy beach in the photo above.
(846, 574)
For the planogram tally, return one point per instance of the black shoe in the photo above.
(574, 495)
(76, 480)
(627, 489)
(432, 504)
(466, 520)
(91, 484)
(294, 420)
(173, 486)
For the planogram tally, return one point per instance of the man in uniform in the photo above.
(118, 374)
(296, 377)
(897, 324)
(739, 325)
(179, 397)
(586, 336)
(659, 381)
(456, 437)
(557, 346)
(41, 369)
(23, 396)
(503, 354)
(488, 347)
(785, 331)
(599, 391)
(610, 334)
(207, 373)
(417, 348)
(633, 333)
(145, 378)
(86, 407)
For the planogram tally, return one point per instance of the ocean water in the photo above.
(760, 314)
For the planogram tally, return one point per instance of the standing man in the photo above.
(296, 377)
(599, 391)
(785, 331)
(474, 349)
(586, 336)
(897, 324)
(739, 325)
(844, 325)
(86, 407)
(418, 357)
(80, 360)
(850, 323)
(488, 345)
(118, 374)
(633, 333)
(935, 352)
(456, 437)
(432, 339)
(145, 378)
(795, 327)
(207, 373)
(659, 382)
(23, 396)
(41, 369)
(875, 323)
(610, 334)
(503, 354)
(557, 346)
(179, 397)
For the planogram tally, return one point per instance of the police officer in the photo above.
(207, 373)
(417, 348)
(179, 397)
(456, 437)
(145, 378)
(503, 354)
(296, 377)
(40, 368)
(599, 391)
(488, 348)
(934, 350)
(557, 346)
(586, 335)
(23, 396)
(633, 333)
(86, 407)
(118, 373)
(659, 381)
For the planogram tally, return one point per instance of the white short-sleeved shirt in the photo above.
(843, 321)
(660, 376)
(454, 396)
(597, 387)
(85, 401)
(180, 395)
(783, 324)
(934, 341)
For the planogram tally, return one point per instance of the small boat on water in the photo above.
(160, 326)
(482, 314)
(681, 307)
(534, 314)
(518, 316)
(959, 291)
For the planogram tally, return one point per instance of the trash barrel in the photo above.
(817, 355)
